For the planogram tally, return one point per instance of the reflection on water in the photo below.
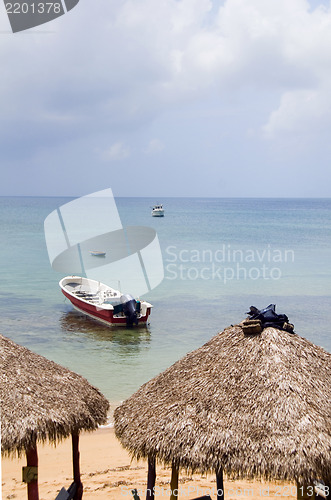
(74, 322)
(109, 357)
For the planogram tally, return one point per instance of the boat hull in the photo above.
(104, 314)
(97, 253)
(158, 211)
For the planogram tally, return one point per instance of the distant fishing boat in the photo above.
(103, 303)
(158, 211)
(97, 253)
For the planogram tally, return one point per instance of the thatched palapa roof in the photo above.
(253, 405)
(41, 400)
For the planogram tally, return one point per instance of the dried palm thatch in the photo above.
(41, 400)
(256, 406)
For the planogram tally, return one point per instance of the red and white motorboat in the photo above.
(103, 303)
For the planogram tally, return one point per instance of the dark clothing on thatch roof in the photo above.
(42, 400)
(256, 406)
(268, 317)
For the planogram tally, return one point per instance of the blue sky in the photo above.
(169, 98)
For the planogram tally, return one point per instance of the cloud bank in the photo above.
(112, 76)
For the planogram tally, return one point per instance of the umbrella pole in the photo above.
(151, 479)
(32, 481)
(220, 485)
(76, 467)
(174, 482)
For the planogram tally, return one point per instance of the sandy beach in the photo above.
(109, 473)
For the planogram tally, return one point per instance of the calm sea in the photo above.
(220, 256)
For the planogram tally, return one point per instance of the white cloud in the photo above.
(301, 111)
(154, 146)
(145, 56)
(116, 152)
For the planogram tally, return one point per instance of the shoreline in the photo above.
(108, 472)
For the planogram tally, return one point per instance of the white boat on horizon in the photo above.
(103, 303)
(158, 211)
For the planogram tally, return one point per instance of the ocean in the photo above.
(220, 256)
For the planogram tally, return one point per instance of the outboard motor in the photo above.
(129, 309)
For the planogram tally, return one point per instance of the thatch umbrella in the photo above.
(255, 406)
(41, 400)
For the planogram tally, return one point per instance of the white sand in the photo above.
(109, 473)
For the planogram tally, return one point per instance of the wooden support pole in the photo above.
(174, 482)
(220, 485)
(32, 476)
(151, 477)
(76, 466)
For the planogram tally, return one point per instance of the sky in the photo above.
(219, 98)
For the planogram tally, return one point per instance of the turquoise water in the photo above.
(220, 256)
